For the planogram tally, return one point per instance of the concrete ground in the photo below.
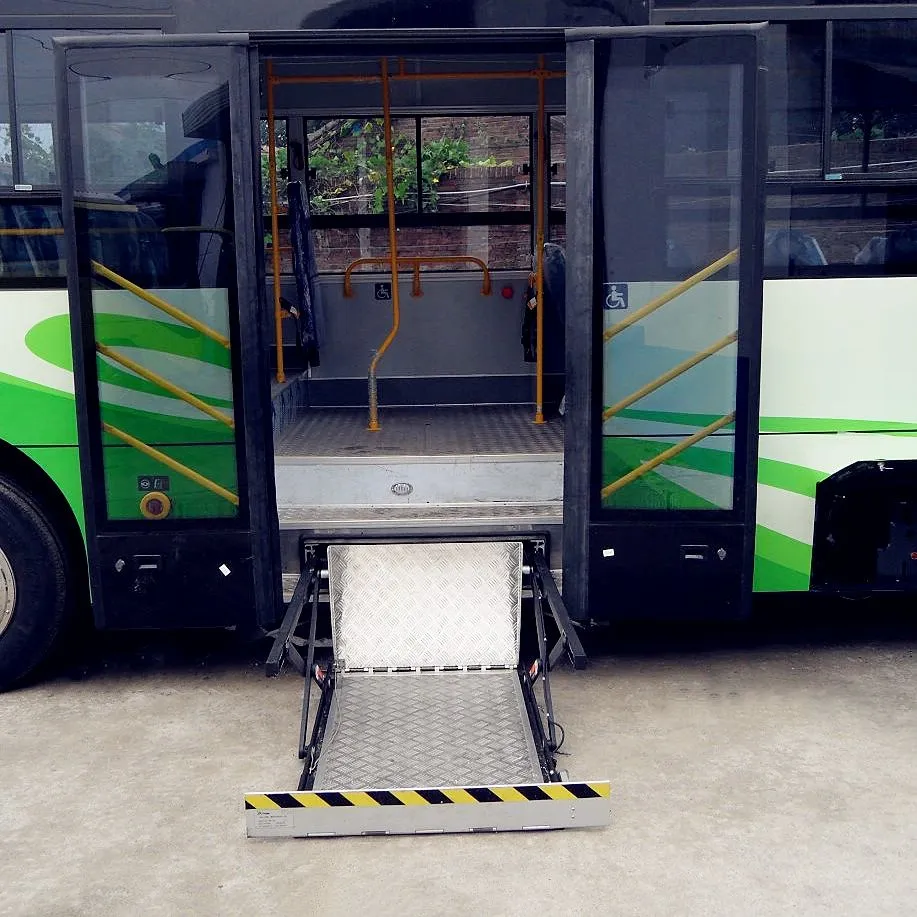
(748, 778)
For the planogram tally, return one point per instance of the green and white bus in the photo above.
(635, 283)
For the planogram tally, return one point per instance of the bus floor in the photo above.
(432, 469)
(424, 431)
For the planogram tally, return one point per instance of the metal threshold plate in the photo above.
(433, 729)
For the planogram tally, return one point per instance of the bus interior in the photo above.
(436, 401)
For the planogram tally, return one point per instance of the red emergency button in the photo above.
(155, 505)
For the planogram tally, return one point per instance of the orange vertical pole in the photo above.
(540, 172)
(275, 221)
(393, 249)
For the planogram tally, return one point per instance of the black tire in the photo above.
(38, 560)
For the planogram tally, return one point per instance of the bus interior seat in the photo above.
(897, 248)
(789, 248)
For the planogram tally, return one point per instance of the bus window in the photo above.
(281, 141)
(347, 164)
(795, 86)
(557, 147)
(6, 141)
(874, 98)
(843, 233)
(32, 160)
(474, 196)
(31, 245)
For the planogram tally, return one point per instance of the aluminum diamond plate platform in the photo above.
(413, 605)
(473, 430)
(430, 729)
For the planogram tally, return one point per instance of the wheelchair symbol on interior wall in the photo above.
(615, 295)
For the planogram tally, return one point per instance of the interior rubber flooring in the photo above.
(471, 430)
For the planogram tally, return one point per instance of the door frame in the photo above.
(583, 363)
(257, 520)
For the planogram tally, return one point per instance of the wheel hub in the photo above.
(7, 592)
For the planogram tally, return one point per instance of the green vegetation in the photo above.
(348, 157)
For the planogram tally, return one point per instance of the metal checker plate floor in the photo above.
(432, 729)
(506, 430)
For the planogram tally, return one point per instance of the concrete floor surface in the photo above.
(752, 781)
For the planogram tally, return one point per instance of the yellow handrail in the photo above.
(414, 264)
(170, 462)
(673, 373)
(159, 303)
(669, 453)
(41, 231)
(392, 248)
(674, 293)
(164, 383)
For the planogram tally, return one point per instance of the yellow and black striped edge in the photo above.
(532, 792)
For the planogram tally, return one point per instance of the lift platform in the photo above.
(427, 719)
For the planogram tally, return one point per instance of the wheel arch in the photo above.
(26, 474)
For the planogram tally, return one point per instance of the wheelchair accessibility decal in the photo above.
(615, 296)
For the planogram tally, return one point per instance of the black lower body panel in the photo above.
(173, 580)
(668, 570)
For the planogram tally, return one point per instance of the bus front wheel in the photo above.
(34, 598)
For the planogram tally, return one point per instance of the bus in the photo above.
(290, 275)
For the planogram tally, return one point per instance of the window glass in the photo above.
(701, 126)
(33, 70)
(475, 165)
(33, 67)
(499, 247)
(874, 97)
(31, 244)
(795, 91)
(283, 177)
(347, 165)
(557, 138)
(122, 151)
(283, 170)
(153, 207)
(701, 226)
(6, 146)
(671, 123)
(841, 233)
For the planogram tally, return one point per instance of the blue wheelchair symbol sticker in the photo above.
(615, 296)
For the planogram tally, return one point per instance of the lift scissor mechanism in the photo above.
(428, 719)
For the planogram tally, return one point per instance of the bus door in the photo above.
(664, 309)
(159, 192)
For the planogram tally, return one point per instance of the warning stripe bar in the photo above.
(532, 792)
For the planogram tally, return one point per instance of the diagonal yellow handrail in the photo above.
(669, 453)
(673, 373)
(172, 463)
(674, 293)
(164, 383)
(159, 303)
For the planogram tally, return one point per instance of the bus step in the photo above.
(427, 722)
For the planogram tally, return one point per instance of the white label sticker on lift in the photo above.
(274, 820)
(224, 570)
(608, 552)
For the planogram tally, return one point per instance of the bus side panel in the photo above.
(36, 387)
(837, 387)
(36, 378)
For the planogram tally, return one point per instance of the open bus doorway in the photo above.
(435, 398)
